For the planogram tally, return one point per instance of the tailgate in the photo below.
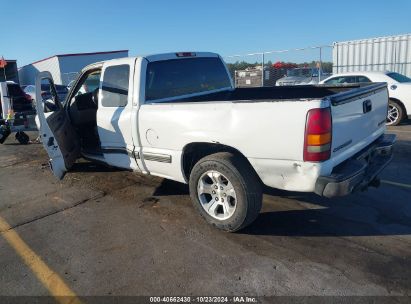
(358, 119)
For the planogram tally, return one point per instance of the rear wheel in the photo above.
(226, 191)
(395, 113)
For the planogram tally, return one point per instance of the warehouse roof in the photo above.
(77, 54)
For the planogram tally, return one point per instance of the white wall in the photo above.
(391, 53)
(73, 64)
(28, 73)
(60, 66)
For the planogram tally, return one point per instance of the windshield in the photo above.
(398, 77)
(300, 73)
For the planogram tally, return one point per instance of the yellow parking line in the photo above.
(50, 279)
(396, 184)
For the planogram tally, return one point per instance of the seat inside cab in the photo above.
(83, 105)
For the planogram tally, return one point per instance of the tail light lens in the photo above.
(318, 135)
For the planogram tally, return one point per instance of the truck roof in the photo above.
(157, 57)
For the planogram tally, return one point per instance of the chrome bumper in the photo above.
(358, 172)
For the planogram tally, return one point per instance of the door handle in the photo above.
(50, 142)
(367, 106)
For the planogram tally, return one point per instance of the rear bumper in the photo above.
(358, 172)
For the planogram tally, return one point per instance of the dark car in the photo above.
(21, 102)
(62, 91)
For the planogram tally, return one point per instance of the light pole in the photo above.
(262, 70)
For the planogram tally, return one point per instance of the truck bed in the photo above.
(276, 93)
(267, 126)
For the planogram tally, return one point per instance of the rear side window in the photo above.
(341, 80)
(335, 80)
(363, 79)
(179, 77)
(115, 86)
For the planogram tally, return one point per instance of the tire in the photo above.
(395, 113)
(237, 183)
(4, 133)
(22, 138)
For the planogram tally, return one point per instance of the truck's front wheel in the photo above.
(226, 191)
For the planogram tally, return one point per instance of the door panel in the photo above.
(57, 134)
(114, 115)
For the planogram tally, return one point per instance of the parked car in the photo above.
(399, 90)
(45, 91)
(13, 97)
(178, 116)
(70, 84)
(301, 76)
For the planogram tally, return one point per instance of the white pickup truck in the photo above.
(178, 116)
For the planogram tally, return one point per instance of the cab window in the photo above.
(115, 86)
(178, 77)
(341, 80)
(89, 84)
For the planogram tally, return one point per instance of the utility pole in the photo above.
(262, 70)
(320, 67)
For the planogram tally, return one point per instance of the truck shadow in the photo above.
(377, 212)
(169, 187)
(88, 166)
(370, 213)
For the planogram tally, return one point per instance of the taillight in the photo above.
(318, 131)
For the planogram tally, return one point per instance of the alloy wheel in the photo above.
(216, 195)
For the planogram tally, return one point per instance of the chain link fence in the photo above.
(269, 68)
(281, 67)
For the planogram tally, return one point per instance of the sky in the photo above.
(33, 30)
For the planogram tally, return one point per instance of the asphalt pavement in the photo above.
(105, 232)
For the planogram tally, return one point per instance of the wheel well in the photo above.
(401, 104)
(193, 152)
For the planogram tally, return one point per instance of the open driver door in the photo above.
(58, 136)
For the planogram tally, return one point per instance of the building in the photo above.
(64, 68)
(392, 53)
(9, 72)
